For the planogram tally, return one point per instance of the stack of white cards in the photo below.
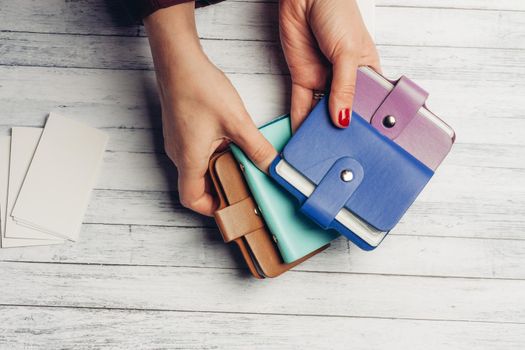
(46, 178)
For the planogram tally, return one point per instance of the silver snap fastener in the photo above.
(347, 175)
(274, 239)
(389, 121)
(256, 211)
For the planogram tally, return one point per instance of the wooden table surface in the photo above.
(148, 274)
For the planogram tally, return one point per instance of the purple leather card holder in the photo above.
(397, 110)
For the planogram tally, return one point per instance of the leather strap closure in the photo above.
(399, 108)
(334, 190)
(238, 219)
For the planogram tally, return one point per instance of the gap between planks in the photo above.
(109, 308)
(296, 270)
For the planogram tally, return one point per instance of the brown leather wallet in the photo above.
(239, 220)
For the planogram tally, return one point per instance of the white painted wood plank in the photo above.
(472, 203)
(459, 184)
(137, 172)
(444, 218)
(464, 28)
(481, 219)
(398, 23)
(30, 49)
(141, 208)
(452, 64)
(75, 17)
(121, 99)
(127, 99)
(507, 5)
(477, 206)
(465, 201)
(37, 328)
(498, 144)
(218, 290)
(445, 63)
(440, 256)
(465, 219)
(159, 246)
(155, 172)
(202, 247)
(488, 155)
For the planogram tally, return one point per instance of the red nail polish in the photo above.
(344, 117)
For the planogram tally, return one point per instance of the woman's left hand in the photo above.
(322, 41)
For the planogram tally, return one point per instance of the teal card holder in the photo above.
(295, 234)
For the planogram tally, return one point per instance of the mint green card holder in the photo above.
(295, 234)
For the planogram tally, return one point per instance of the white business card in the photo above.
(5, 242)
(24, 142)
(56, 190)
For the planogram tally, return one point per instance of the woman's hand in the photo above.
(201, 110)
(322, 41)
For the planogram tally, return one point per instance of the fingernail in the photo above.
(344, 117)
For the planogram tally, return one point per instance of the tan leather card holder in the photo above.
(239, 220)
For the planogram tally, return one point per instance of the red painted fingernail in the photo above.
(344, 117)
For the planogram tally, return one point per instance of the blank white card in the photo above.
(55, 193)
(24, 142)
(6, 242)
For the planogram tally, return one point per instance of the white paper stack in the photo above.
(46, 177)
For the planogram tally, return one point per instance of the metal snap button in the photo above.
(347, 175)
(389, 121)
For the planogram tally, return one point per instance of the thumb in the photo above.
(254, 144)
(342, 91)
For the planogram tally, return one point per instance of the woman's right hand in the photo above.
(324, 43)
(201, 110)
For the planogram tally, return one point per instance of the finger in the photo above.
(342, 90)
(371, 58)
(193, 191)
(253, 143)
(373, 62)
(301, 105)
(376, 65)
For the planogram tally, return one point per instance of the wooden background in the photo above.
(148, 274)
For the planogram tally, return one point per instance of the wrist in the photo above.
(173, 37)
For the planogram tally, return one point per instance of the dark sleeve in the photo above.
(143, 8)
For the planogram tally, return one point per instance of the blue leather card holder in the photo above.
(357, 169)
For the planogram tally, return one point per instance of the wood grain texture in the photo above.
(204, 248)
(149, 274)
(242, 20)
(36, 328)
(235, 56)
(224, 290)
(506, 5)
(129, 98)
